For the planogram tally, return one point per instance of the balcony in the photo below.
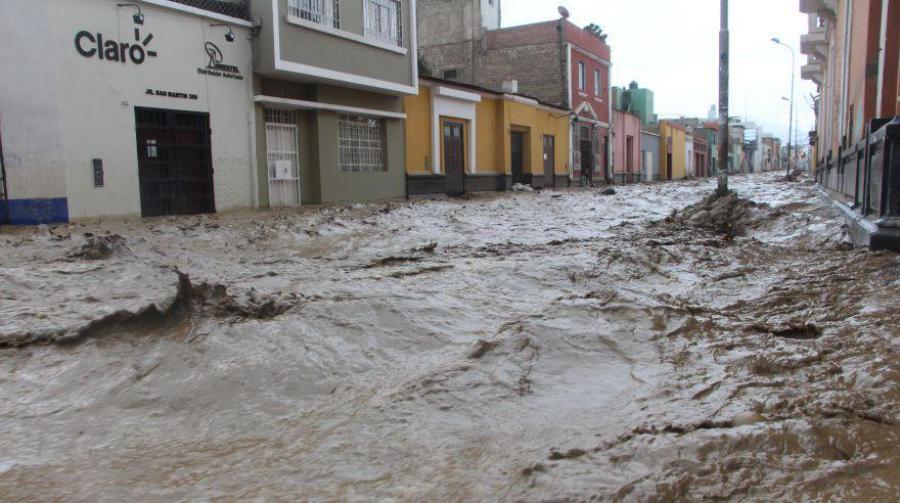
(815, 43)
(814, 71)
(825, 8)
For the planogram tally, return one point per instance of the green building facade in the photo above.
(635, 100)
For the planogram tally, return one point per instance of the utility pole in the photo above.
(723, 101)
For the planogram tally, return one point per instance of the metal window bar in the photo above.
(325, 12)
(283, 157)
(361, 144)
(384, 21)
(239, 9)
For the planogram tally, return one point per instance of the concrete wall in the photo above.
(650, 143)
(60, 109)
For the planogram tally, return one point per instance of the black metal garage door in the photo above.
(174, 162)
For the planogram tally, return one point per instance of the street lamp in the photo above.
(791, 120)
(796, 126)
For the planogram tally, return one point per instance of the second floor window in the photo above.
(326, 12)
(581, 77)
(597, 84)
(383, 21)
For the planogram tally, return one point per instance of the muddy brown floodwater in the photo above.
(531, 346)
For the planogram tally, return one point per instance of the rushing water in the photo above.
(529, 346)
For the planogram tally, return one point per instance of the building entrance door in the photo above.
(455, 157)
(174, 162)
(549, 161)
(587, 160)
(517, 151)
(283, 158)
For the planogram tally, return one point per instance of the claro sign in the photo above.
(94, 45)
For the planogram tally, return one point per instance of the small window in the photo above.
(383, 19)
(597, 86)
(361, 143)
(326, 12)
(581, 77)
(450, 74)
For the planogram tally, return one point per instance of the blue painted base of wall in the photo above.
(35, 211)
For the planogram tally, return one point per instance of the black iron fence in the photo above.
(234, 8)
(867, 174)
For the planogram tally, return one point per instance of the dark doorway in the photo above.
(669, 166)
(549, 161)
(586, 147)
(174, 162)
(454, 157)
(517, 147)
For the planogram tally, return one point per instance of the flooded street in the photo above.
(554, 345)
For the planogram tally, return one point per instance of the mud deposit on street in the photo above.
(530, 346)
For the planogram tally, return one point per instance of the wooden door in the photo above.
(454, 157)
(517, 155)
(549, 161)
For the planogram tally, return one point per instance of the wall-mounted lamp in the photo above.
(138, 16)
(229, 36)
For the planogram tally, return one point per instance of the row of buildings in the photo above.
(853, 57)
(162, 107)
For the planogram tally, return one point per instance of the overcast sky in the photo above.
(671, 47)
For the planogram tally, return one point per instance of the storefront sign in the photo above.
(171, 94)
(93, 45)
(215, 67)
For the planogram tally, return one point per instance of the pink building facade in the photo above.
(626, 147)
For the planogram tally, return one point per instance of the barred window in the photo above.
(326, 12)
(384, 21)
(361, 143)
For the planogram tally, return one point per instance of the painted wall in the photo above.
(324, 50)
(650, 144)
(539, 122)
(337, 186)
(626, 125)
(490, 127)
(495, 117)
(59, 115)
(672, 140)
(419, 158)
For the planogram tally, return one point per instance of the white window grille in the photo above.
(283, 156)
(361, 143)
(597, 83)
(326, 12)
(384, 21)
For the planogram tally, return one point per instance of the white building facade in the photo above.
(141, 109)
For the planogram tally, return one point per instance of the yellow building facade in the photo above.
(672, 152)
(463, 138)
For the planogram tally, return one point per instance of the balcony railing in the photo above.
(867, 175)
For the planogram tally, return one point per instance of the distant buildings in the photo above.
(555, 62)
(636, 100)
